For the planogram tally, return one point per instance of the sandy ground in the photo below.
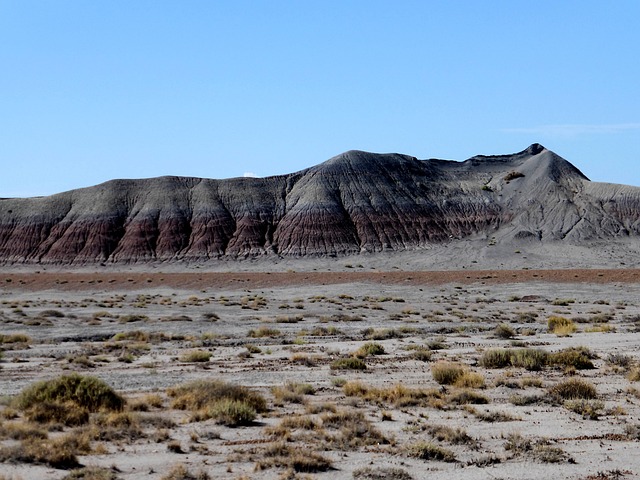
(315, 318)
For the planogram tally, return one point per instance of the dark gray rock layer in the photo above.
(351, 203)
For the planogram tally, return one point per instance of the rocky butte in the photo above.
(355, 202)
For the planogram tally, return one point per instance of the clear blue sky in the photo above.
(96, 90)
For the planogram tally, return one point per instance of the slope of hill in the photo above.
(355, 202)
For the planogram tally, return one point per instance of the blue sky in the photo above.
(96, 90)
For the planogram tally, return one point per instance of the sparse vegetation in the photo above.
(431, 451)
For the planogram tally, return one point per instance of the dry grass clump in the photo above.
(561, 326)
(180, 472)
(589, 409)
(381, 473)
(91, 473)
(263, 331)
(470, 380)
(634, 374)
(504, 331)
(574, 389)
(61, 452)
(353, 430)
(420, 353)
(14, 338)
(291, 392)
(369, 348)
(285, 456)
(464, 397)
(431, 451)
(67, 399)
(65, 413)
(550, 454)
(398, 395)
(578, 358)
(454, 436)
(447, 373)
(350, 363)
(227, 403)
(21, 431)
(196, 356)
(528, 358)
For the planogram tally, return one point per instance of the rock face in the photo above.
(354, 202)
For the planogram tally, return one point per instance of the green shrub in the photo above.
(203, 394)
(232, 412)
(528, 358)
(86, 392)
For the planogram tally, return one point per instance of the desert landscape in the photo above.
(337, 374)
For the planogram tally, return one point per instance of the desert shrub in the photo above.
(381, 473)
(117, 426)
(350, 363)
(195, 356)
(232, 412)
(211, 316)
(66, 413)
(349, 430)
(634, 374)
(21, 431)
(431, 451)
(512, 176)
(263, 332)
(52, 313)
(420, 353)
(292, 392)
(470, 380)
(589, 409)
(464, 397)
(15, 338)
(549, 454)
(86, 392)
(132, 318)
(134, 335)
(620, 360)
(517, 444)
(490, 416)
(180, 472)
(284, 456)
(504, 331)
(447, 373)
(61, 452)
(398, 395)
(523, 400)
(91, 473)
(528, 358)
(454, 436)
(561, 326)
(289, 318)
(574, 389)
(578, 358)
(369, 348)
(204, 396)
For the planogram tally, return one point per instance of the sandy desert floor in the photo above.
(363, 374)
